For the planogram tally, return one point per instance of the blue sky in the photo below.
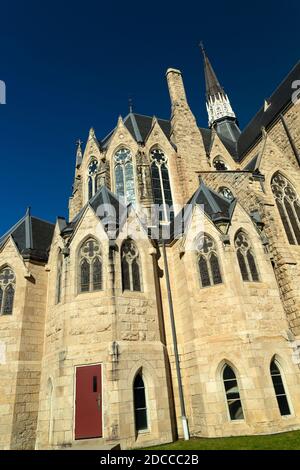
(72, 65)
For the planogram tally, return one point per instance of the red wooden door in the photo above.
(88, 403)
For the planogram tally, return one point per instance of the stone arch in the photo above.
(283, 394)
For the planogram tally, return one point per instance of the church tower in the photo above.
(221, 116)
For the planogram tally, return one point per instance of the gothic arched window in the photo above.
(59, 278)
(209, 269)
(90, 266)
(246, 259)
(226, 192)
(92, 178)
(7, 291)
(279, 389)
(219, 164)
(288, 204)
(124, 177)
(140, 405)
(232, 393)
(131, 266)
(162, 194)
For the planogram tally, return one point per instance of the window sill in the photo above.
(143, 432)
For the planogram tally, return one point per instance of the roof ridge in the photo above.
(269, 98)
(43, 220)
(13, 228)
(151, 117)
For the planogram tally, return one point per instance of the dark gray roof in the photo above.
(107, 206)
(279, 100)
(229, 133)
(215, 206)
(139, 127)
(206, 136)
(32, 236)
(252, 164)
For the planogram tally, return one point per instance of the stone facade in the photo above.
(242, 324)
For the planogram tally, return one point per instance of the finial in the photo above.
(201, 45)
(130, 104)
(28, 211)
(78, 143)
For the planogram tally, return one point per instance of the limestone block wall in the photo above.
(80, 331)
(258, 196)
(10, 336)
(241, 323)
(22, 336)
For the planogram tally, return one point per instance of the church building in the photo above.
(168, 304)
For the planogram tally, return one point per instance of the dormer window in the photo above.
(226, 192)
(219, 164)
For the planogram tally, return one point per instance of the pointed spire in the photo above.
(92, 134)
(212, 84)
(217, 102)
(78, 154)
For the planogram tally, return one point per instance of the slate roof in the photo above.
(107, 206)
(32, 236)
(216, 207)
(279, 100)
(212, 84)
(252, 164)
(139, 127)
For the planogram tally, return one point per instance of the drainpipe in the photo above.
(174, 336)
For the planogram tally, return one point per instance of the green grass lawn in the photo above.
(284, 441)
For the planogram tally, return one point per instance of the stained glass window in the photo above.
(9, 294)
(131, 266)
(91, 268)
(85, 276)
(233, 398)
(204, 274)
(279, 389)
(245, 256)
(162, 194)
(288, 204)
(92, 177)
(140, 406)
(209, 268)
(7, 291)
(124, 176)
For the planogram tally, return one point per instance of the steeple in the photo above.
(217, 102)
